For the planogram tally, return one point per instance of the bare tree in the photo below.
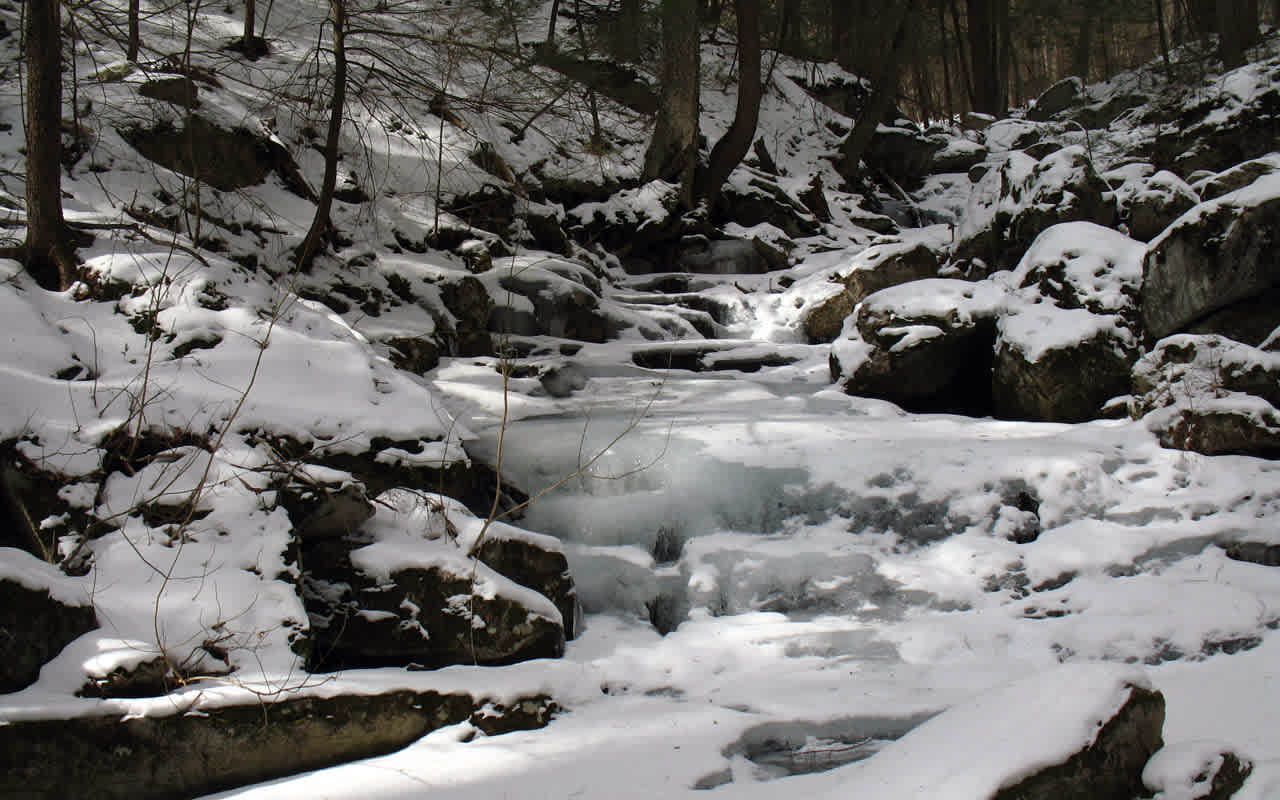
(47, 252)
(731, 148)
(321, 226)
(134, 36)
(883, 91)
(1237, 24)
(673, 151)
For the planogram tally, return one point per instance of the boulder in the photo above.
(927, 346)
(1220, 427)
(538, 562)
(1024, 197)
(1251, 320)
(1190, 370)
(1217, 254)
(763, 200)
(729, 256)
(1082, 265)
(1060, 365)
(1210, 395)
(902, 152)
(416, 354)
(41, 611)
(959, 155)
(433, 616)
(403, 591)
(1057, 98)
(1066, 337)
(1078, 732)
(1150, 201)
(225, 159)
(320, 511)
(1241, 175)
(1195, 770)
(1111, 765)
(560, 305)
(468, 301)
(1224, 129)
(878, 267)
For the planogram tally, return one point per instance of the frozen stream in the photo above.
(844, 572)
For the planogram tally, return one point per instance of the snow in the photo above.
(841, 562)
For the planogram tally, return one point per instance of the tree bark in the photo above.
(630, 19)
(733, 146)
(551, 23)
(1083, 46)
(250, 14)
(321, 227)
(986, 46)
(673, 151)
(883, 92)
(1237, 23)
(135, 36)
(47, 251)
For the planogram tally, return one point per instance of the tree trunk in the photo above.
(836, 15)
(135, 36)
(986, 50)
(321, 227)
(47, 250)
(966, 74)
(551, 23)
(673, 151)
(1083, 45)
(1164, 39)
(733, 146)
(1237, 23)
(250, 15)
(630, 23)
(883, 92)
(948, 105)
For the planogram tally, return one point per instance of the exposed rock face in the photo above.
(1061, 360)
(226, 160)
(436, 616)
(401, 591)
(1064, 382)
(902, 152)
(1111, 767)
(1223, 252)
(1237, 177)
(415, 354)
(537, 562)
(562, 306)
(1057, 98)
(186, 755)
(1221, 429)
(931, 346)
(35, 622)
(887, 265)
(469, 302)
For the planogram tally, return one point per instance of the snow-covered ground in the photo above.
(834, 570)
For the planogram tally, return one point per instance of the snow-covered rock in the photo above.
(41, 610)
(1218, 253)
